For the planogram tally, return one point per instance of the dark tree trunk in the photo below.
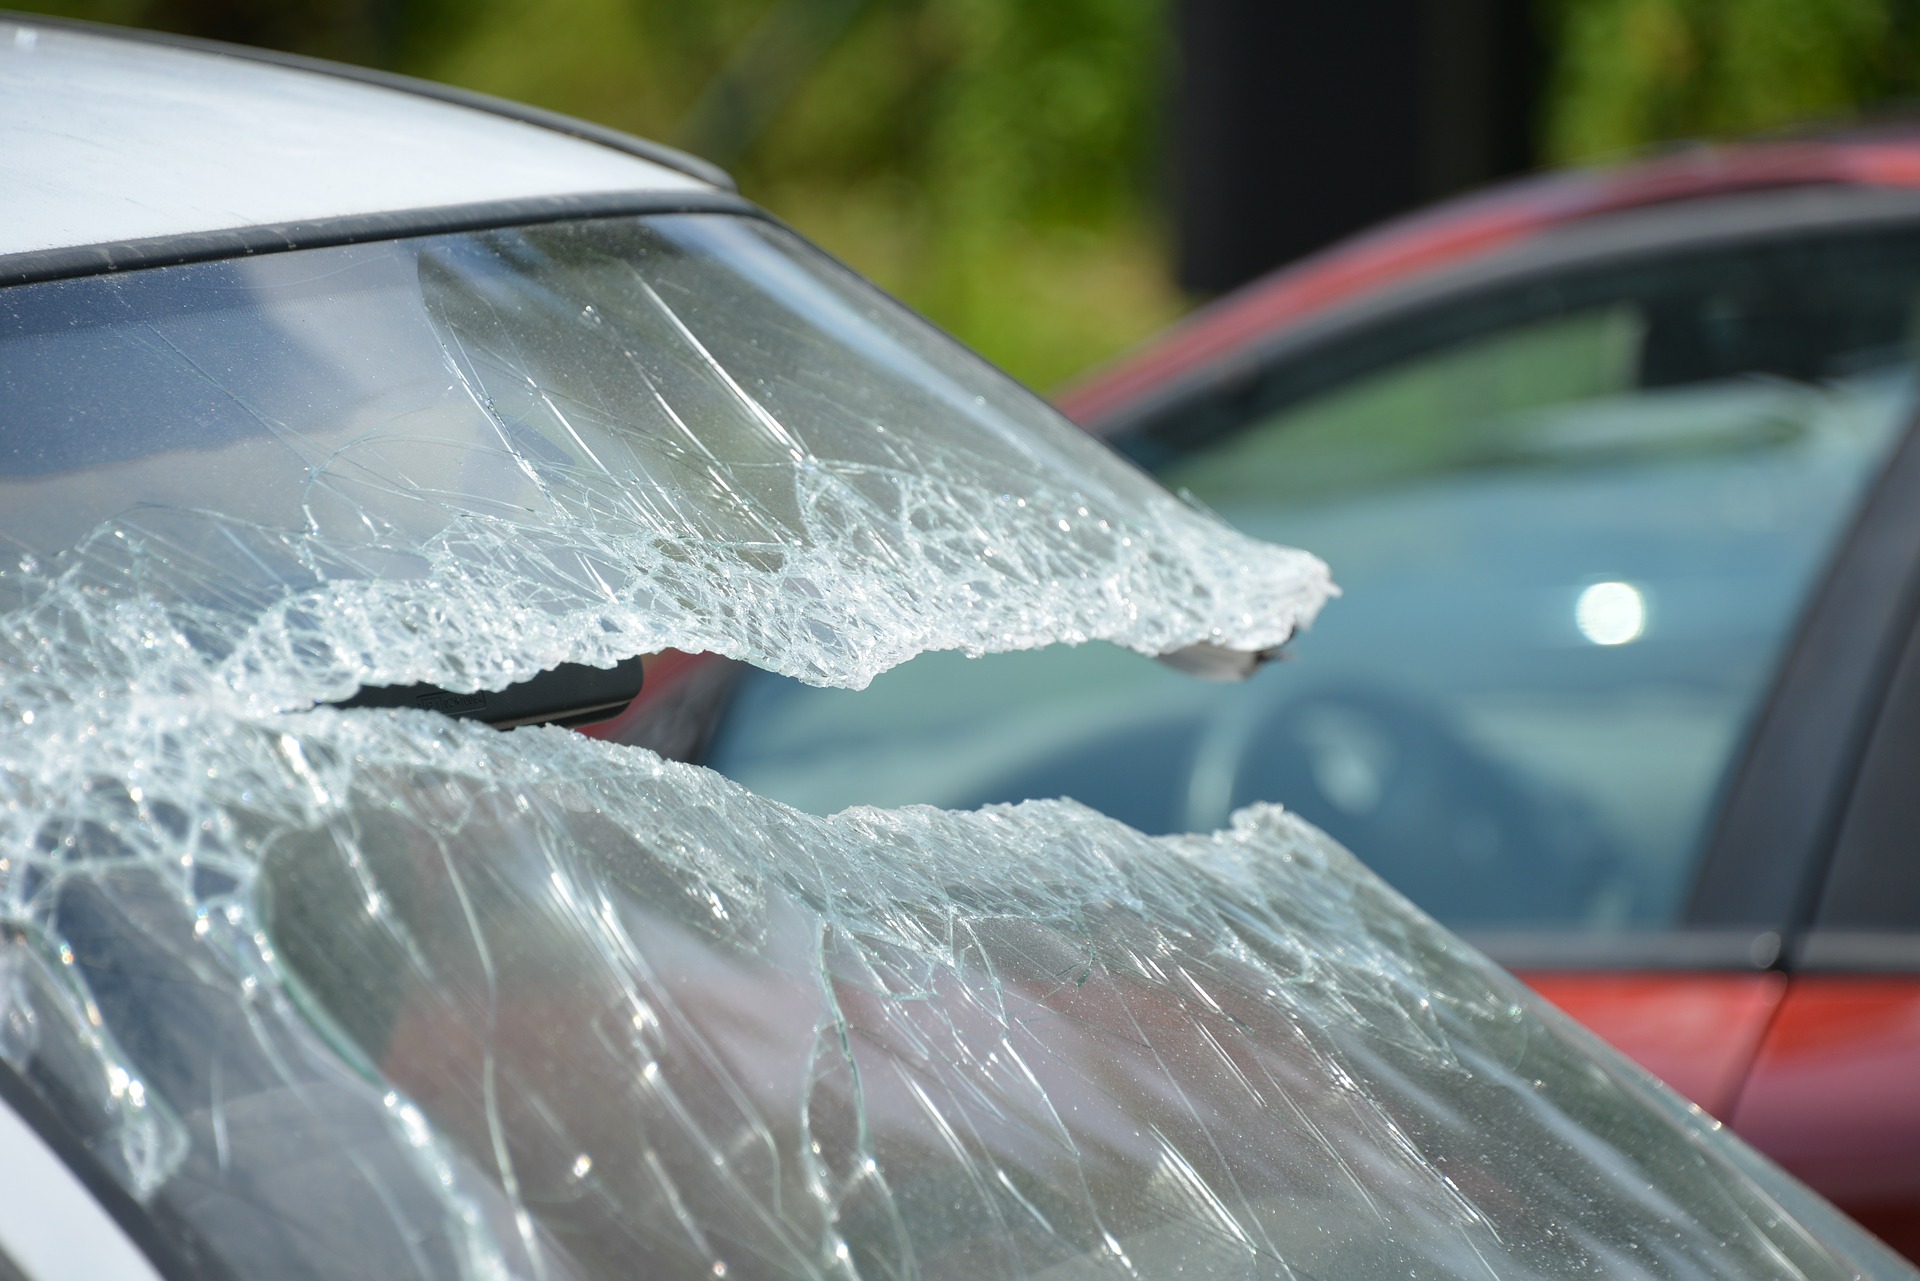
(1296, 122)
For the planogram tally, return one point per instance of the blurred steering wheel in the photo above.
(1467, 836)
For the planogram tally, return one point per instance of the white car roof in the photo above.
(106, 139)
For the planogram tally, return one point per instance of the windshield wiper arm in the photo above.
(570, 694)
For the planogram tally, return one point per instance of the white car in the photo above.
(352, 436)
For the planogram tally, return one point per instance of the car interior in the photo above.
(1575, 518)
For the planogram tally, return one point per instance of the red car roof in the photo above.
(1470, 227)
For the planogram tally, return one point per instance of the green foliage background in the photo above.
(1630, 73)
(994, 162)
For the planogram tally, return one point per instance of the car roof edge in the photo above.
(585, 130)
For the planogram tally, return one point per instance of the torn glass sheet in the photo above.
(461, 460)
(376, 994)
(532, 1005)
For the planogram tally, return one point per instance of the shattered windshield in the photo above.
(377, 993)
(595, 440)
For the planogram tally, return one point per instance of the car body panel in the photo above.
(89, 126)
(1834, 1096)
(1696, 1031)
(53, 1225)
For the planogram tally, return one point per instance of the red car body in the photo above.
(1803, 1066)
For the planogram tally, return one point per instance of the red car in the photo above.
(1618, 471)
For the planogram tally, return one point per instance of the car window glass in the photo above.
(1451, 409)
(1575, 522)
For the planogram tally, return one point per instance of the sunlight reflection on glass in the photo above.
(1611, 613)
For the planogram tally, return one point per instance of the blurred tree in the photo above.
(1633, 72)
(991, 161)
(363, 31)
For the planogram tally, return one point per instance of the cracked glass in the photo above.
(374, 992)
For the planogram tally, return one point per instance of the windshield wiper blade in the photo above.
(570, 694)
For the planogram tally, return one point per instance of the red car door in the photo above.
(1834, 1096)
(1698, 1032)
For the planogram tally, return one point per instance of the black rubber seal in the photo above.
(1767, 854)
(170, 1245)
(586, 130)
(241, 242)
